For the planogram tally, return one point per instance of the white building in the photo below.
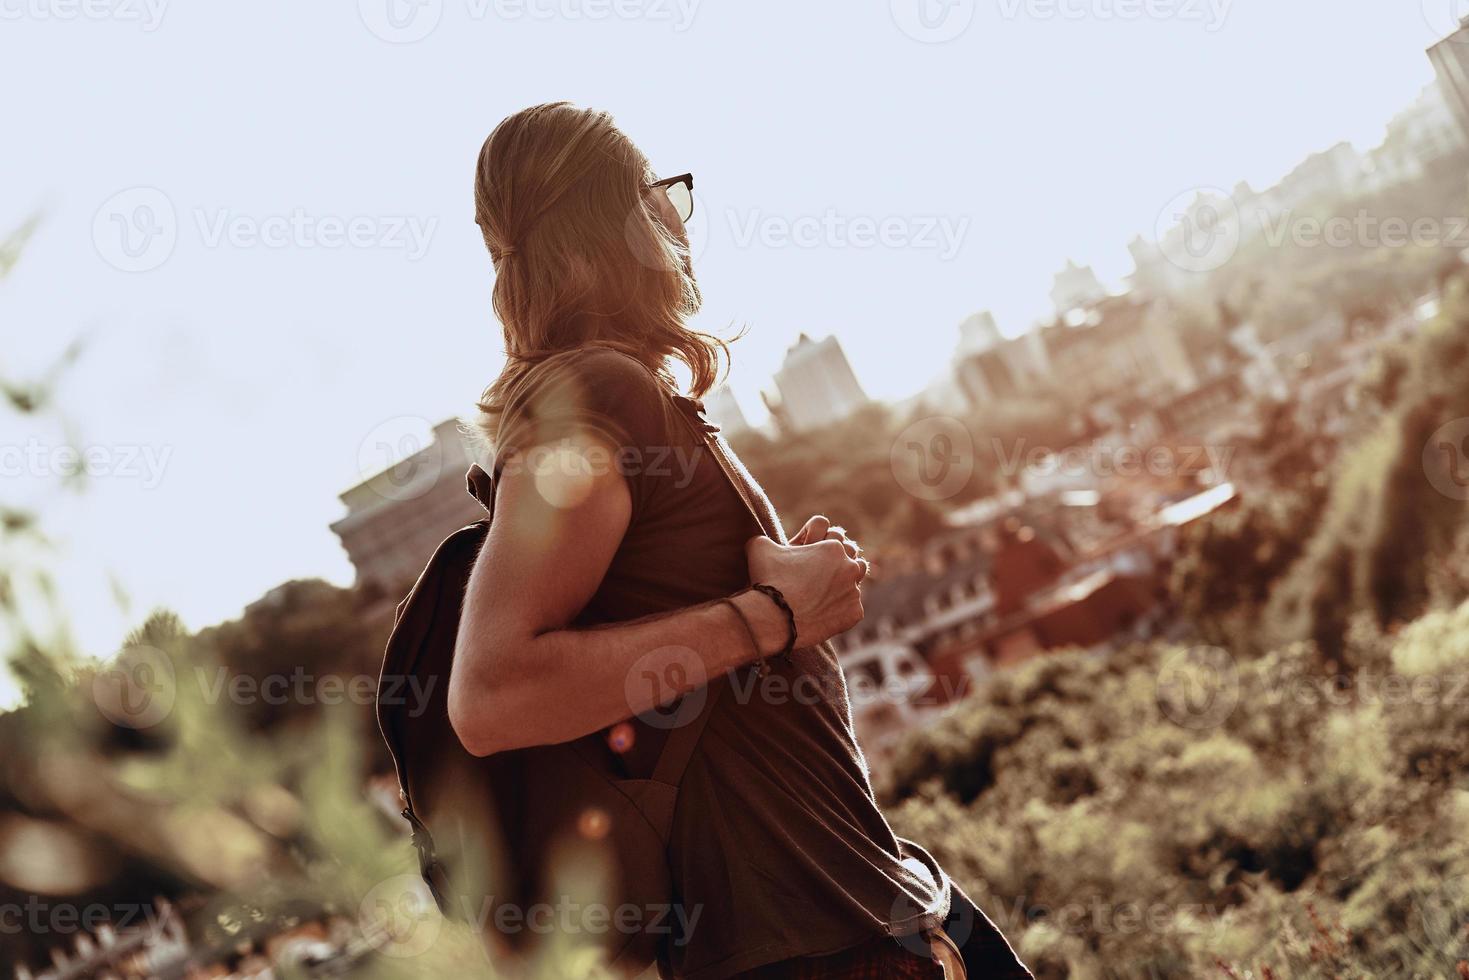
(816, 385)
(1450, 58)
(1007, 369)
(1419, 136)
(978, 333)
(1330, 173)
(722, 408)
(985, 367)
(1074, 287)
(1153, 273)
(1208, 230)
(397, 517)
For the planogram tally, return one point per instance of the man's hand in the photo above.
(821, 528)
(819, 581)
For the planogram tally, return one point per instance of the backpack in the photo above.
(493, 833)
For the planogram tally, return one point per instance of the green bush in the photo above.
(1320, 827)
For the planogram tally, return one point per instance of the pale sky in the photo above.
(234, 375)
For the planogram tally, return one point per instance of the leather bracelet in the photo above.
(749, 629)
(785, 607)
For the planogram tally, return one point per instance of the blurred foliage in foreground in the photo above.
(172, 772)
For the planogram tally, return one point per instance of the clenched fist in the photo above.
(820, 582)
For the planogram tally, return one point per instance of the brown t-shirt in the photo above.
(778, 848)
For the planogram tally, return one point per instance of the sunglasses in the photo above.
(680, 191)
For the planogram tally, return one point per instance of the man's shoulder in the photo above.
(597, 387)
(603, 375)
(608, 363)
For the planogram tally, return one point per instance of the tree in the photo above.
(1393, 511)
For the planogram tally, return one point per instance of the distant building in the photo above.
(1260, 372)
(1024, 565)
(892, 691)
(941, 590)
(1006, 370)
(978, 333)
(1213, 219)
(1123, 343)
(724, 411)
(1116, 343)
(1418, 139)
(1090, 613)
(816, 385)
(1207, 221)
(1450, 59)
(1074, 287)
(396, 518)
(1330, 173)
(942, 396)
(1154, 274)
(1196, 412)
(980, 597)
(987, 366)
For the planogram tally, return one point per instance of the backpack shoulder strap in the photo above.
(481, 487)
(683, 740)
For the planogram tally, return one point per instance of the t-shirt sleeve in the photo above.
(601, 393)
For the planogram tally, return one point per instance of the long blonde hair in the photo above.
(580, 257)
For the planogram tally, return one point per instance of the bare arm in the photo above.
(521, 677)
